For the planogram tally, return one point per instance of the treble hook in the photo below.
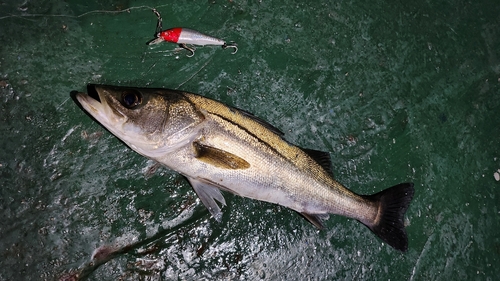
(232, 45)
(184, 46)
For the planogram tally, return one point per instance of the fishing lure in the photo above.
(184, 36)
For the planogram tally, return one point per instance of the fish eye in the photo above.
(131, 98)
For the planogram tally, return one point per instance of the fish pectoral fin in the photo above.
(316, 219)
(218, 157)
(208, 194)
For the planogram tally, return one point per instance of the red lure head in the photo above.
(171, 35)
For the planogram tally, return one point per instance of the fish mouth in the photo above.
(88, 103)
(92, 92)
(95, 103)
(91, 101)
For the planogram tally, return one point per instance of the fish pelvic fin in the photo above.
(208, 194)
(389, 225)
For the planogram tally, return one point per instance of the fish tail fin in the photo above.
(389, 225)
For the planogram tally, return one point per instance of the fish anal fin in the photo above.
(389, 224)
(316, 219)
(322, 158)
(208, 194)
(218, 157)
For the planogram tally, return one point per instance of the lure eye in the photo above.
(131, 98)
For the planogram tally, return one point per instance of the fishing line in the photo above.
(194, 74)
(25, 16)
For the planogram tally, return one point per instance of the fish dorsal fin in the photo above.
(218, 157)
(322, 158)
(260, 121)
(316, 219)
(208, 194)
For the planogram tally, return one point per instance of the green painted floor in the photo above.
(395, 91)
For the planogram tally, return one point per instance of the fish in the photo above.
(217, 148)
